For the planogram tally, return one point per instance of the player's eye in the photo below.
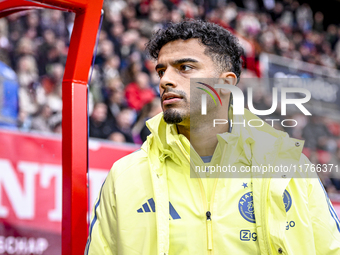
(185, 68)
(160, 73)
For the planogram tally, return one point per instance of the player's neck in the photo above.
(203, 139)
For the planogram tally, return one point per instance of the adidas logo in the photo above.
(146, 206)
(150, 206)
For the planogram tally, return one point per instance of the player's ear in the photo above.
(228, 78)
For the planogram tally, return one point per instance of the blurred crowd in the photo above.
(124, 86)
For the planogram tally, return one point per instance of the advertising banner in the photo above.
(31, 189)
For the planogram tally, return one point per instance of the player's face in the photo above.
(178, 61)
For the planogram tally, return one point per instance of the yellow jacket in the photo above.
(290, 213)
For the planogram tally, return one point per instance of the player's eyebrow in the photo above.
(177, 62)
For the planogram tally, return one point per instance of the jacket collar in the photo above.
(165, 142)
(260, 145)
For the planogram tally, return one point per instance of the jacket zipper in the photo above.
(204, 200)
(208, 214)
(209, 210)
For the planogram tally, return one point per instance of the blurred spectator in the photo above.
(15, 27)
(116, 100)
(44, 55)
(31, 94)
(99, 126)
(125, 120)
(32, 25)
(54, 20)
(105, 51)
(110, 68)
(9, 87)
(96, 86)
(4, 41)
(139, 93)
(41, 121)
(55, 123)
(304, 17)
(24, 48)
(316, 134)
(117, 137)
(140, 130)
(52, 93)
(129, 74)
(318, 22)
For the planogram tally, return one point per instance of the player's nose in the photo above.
(168, 79)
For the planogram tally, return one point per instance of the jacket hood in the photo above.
(165, 141)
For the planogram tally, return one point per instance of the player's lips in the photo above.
(170, 98)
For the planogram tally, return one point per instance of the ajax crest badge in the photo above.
(287, 200)
(246, 205)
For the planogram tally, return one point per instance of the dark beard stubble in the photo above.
(172, 116)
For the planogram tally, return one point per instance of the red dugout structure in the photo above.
(74, 125)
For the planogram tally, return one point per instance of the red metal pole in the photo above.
(74, 129)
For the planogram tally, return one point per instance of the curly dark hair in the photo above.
(221, 45)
